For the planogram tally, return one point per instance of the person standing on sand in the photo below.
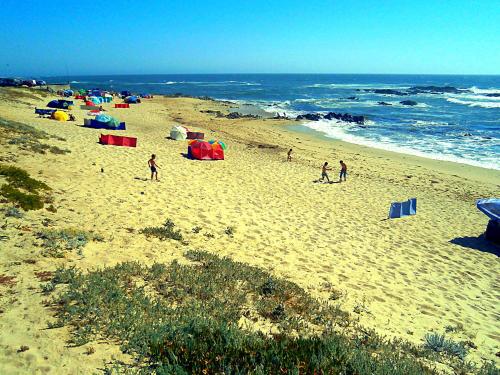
(153, 166)
(343, 171)
(289, 155)
(324, 169)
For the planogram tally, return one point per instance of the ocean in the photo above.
(462, 126)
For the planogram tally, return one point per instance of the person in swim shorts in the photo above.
(153, 166)
(324, 173)
(343, 171)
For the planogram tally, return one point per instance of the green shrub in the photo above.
(28, 138)
(19, 178)
(438, 343)
(55, 242)
(25, 201)
(164, 232)
(184, 319)
(13, 212)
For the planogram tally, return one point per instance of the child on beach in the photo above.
(324, 169)
(152, 165)
(343, 171)
(289, 155)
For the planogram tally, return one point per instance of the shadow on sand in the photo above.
(477, 243)
(325, 182)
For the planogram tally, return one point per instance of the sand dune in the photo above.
(404, 277)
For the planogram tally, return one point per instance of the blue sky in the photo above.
(282, 36)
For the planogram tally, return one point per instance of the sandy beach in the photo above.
(404, 277)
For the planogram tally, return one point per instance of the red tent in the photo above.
(217, 152)
(201, 151)
(108, 139)
(205, 151)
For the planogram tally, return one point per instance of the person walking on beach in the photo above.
(153, 166)
(289, 155)
(343, 171)
(324, 169)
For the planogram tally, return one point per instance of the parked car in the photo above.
(12, 82)
(29, 82)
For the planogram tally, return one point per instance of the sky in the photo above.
(55, 38)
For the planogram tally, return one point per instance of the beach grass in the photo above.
(21, 189)
(187, 318)
(27, 138)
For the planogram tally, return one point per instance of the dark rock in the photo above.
(359, 119)
(494, 95)
(309, 116)
(352, 98)
(237, 115)
(231, 115)
(436, 90)
(384, 103)
(332, 115)
(408, 102)
(388, 92)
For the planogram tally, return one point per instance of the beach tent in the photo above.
(222, 144)
(217, 152)
(132, 99)
(205, 151)
(59, 103)
(124, 94)
(96, 99)
(60, 116)
(68, 93)
(200, 151)
(491, 208)
(44, 112)
(107, 120)
(401, 209)
(178, 133)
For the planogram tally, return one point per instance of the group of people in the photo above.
(325, 168)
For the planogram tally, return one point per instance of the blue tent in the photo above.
(44, 112)
(104, 121)
(131, 99)
(59, 103)
(401, 209)
(68, 93)
(96, 99)
(125, 94)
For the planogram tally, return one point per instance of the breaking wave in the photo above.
(472, 103)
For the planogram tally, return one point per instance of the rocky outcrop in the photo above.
(415, 90)
(494, 95)
(408, 102)
(310, 117)
(230, 115)
(386, 92)
(436, 90)
(237, 115)
(332, 115)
